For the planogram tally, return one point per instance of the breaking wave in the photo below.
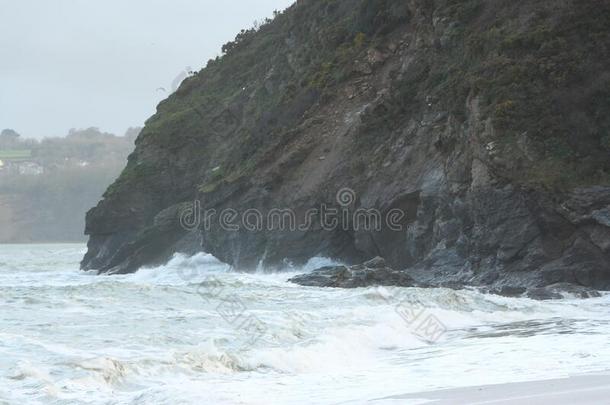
(193, 331)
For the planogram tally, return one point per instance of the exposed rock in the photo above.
(363, 68)
(549, 292)
(508, 291)
(485, 129)
(372, 273)
(562, 290)
(376, 57)
(160, 241)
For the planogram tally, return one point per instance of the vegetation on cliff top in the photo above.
(541, 75)
(535, 66)
(293, 60)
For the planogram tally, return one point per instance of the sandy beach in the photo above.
(582, 390)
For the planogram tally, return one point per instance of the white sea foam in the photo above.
(193, 331)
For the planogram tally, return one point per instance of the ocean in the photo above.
(195, 332)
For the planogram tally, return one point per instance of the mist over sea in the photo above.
(194, 332)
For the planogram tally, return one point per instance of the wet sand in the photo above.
(582, 390)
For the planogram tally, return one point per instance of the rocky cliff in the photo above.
(484, 122)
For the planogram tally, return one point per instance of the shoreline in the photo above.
(582, 390)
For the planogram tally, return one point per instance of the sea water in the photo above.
(195, 332)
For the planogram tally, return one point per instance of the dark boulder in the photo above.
(551, 292)
(561, 290)
(510, 291)
(374, 272)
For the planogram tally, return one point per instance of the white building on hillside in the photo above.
(30, 169)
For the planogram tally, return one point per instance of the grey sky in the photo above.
(80, 63)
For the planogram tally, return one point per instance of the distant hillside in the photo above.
(47, 186)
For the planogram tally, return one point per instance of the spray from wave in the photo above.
(194, 331)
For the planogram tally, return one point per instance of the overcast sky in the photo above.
(81, 63)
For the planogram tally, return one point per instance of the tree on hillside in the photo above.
(8, 138)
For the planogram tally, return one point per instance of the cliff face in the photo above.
(484, 121)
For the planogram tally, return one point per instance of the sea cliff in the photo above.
(485, 122)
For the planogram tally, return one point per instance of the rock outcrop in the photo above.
(374, 272)
(480, 127)
(549, 292)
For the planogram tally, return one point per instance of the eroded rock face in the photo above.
(448, 122)
(374, 272)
